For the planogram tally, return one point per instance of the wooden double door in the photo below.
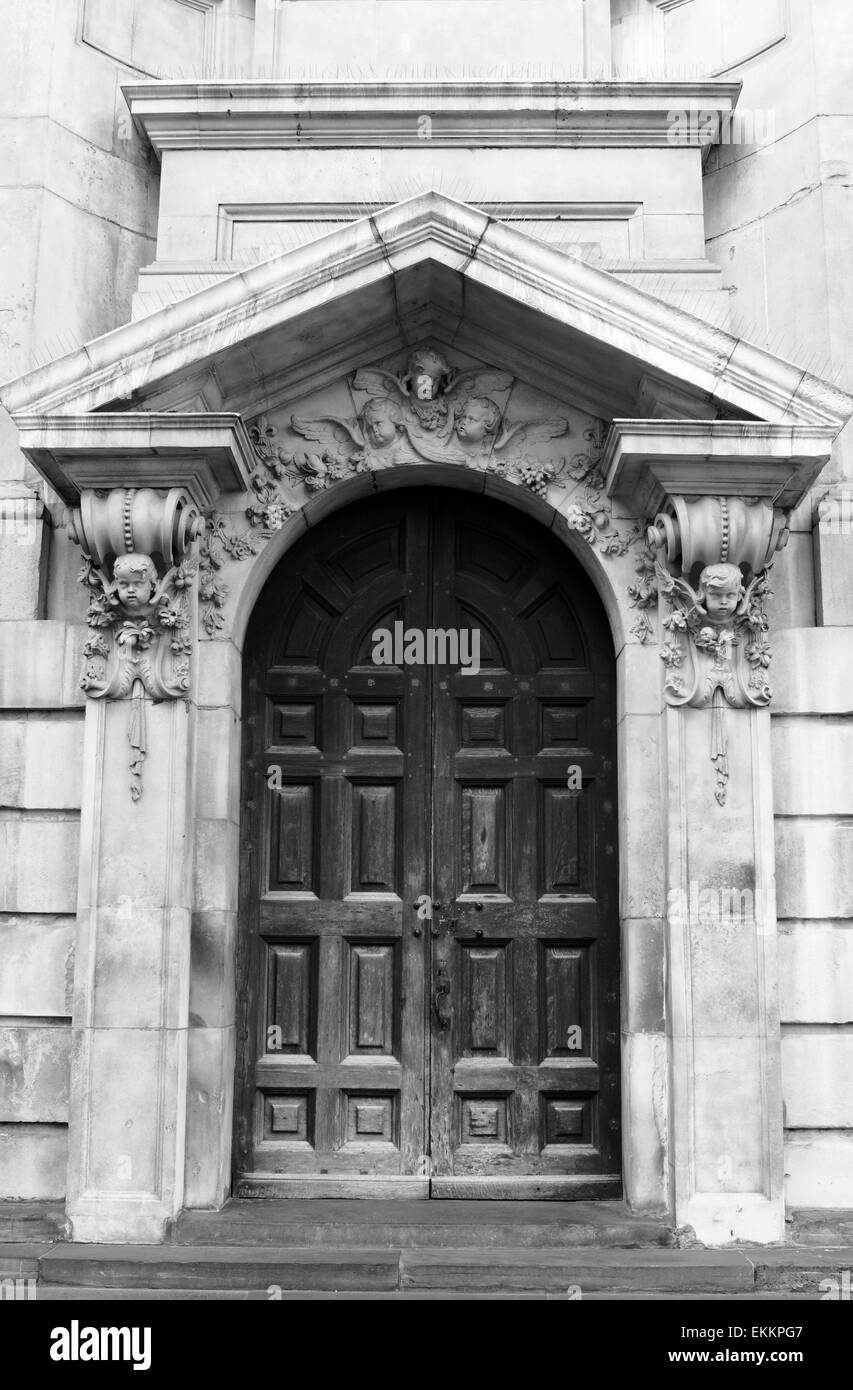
(428, 997)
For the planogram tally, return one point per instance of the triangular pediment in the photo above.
(427, 270)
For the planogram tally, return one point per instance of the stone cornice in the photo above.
(372, 258)
(205, 454)
(280, 115)
(646, 462)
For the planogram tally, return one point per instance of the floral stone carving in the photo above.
(139, 612)
(429, 413)
(717, 652)
(644, 595)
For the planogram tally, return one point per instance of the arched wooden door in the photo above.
(474, 1052)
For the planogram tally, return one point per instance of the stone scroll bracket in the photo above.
(137, 487)
(140, 563)
(720, 494)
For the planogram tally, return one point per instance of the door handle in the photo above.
(441, 998)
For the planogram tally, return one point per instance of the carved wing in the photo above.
(478, 384)
(529, 432)
(330, 432)
(377, 383)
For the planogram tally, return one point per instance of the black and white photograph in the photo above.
(426, 677)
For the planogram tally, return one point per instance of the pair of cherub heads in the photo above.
(382, 421)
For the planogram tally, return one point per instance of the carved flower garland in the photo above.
(588, 512)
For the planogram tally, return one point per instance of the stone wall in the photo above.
(778, 212)
(78, 208)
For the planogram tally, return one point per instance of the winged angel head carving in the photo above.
(431, 412)
(717, 637)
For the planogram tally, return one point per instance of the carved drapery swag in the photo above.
(139, 566)
(716, 648)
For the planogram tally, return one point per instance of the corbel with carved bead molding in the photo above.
(137, 485)
(140, 563)
(721, 494)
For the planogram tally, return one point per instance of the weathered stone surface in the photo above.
(215, 881)
(798, 655)
(812, 764)
(40, 665)
(643, 890)
(644, 974)
(210, 1067)
(34, 1073)
(40, 851)
(218, 766)
(220, 676)
(36, 965)
(33, 1160)
(834, 577)
(645, 1117)
(137, 949)
(815, 970)
(792, 603)
(41, 758)
(819, 1168)
(817, 1077)
(814, 867)
(24, 538)
(639, 673)
(213, 958)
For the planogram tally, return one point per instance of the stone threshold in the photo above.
(425, 1224)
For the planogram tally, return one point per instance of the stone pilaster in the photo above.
(132, 965)
(718, 497)
(131, 1010)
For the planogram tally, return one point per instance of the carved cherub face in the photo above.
(721, 588)
(479, 418)
(135, 577)
(382, 423)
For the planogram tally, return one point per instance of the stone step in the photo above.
(576, 1271)
(234, 1267)
(71, 1294)
(425, 1224)
(264, 1269)
(265, 1272)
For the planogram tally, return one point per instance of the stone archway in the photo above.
(697, 1057)
(643, 1041)
(508, 1105)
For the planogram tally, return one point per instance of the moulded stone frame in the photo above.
(659, 1084)
(211, 1047)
